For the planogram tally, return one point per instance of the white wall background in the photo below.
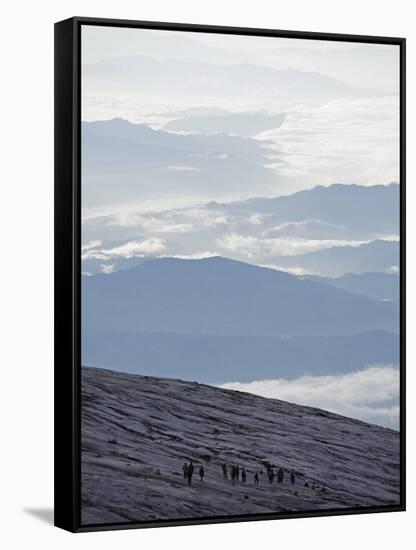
(26, 289)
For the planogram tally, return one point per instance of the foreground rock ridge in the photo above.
(137, 432)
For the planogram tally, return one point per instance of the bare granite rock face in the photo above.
(137, 432)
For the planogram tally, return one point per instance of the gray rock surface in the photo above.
(138, 431)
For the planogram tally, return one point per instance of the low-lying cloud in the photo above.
(128, 250)
(317, 143)
(371, 394)
(280, 246)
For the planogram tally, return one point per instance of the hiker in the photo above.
(268, 468)
(256, 478)
(224, 471)
(280, 475)
(271, 475)
(306, 483)
(233, 473)
(185, 470)
(190, 473)
(243, 475)
(237, 472)
(292, 477)
(201, 473)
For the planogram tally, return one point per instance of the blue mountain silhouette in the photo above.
(226, 297)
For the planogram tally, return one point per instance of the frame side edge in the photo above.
(403, 365)
(65, 445)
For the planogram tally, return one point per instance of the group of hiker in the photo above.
(234, 472)
(188, 472)
(272, 472)
(280, 474)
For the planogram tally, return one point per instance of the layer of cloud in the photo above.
(107, 268)
(371, 394)
(171, 221)
(298, 271)
(182, 168)
(91, 245)
(350, 139)
(196, 256)
(150, 223)
(281, 246)
(128, 250)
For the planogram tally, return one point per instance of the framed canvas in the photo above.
(230, 274)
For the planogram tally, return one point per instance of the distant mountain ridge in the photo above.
(221, 296)
(122, 161)
(182, 77)
(380, 255)
(243, 124)
(347, 211)
(373, 209)
(380, 286)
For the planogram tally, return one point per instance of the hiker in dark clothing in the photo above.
(201, 473)
(271, 475)
(292, 477)
(185, 470)
(237, 472)
(243, 475)
(190, 473)
(256, 478)
(233, 473)
(280, 475)
(224, 471)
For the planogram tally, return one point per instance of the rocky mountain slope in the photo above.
(138, 431)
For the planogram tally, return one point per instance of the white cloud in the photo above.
(256, 219)
(107, 268)
(371, 394)
(182, 168)
(298, 271)
(203, 217)
(137, 248)
(91, 245)
(349, 139)
(195, 256)
(184, 220)
(128, 250)
(149, 223)
(94, 254)
(303, 224)
(280, 246)
(392, 238)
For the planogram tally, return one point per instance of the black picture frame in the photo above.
(67, 389)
